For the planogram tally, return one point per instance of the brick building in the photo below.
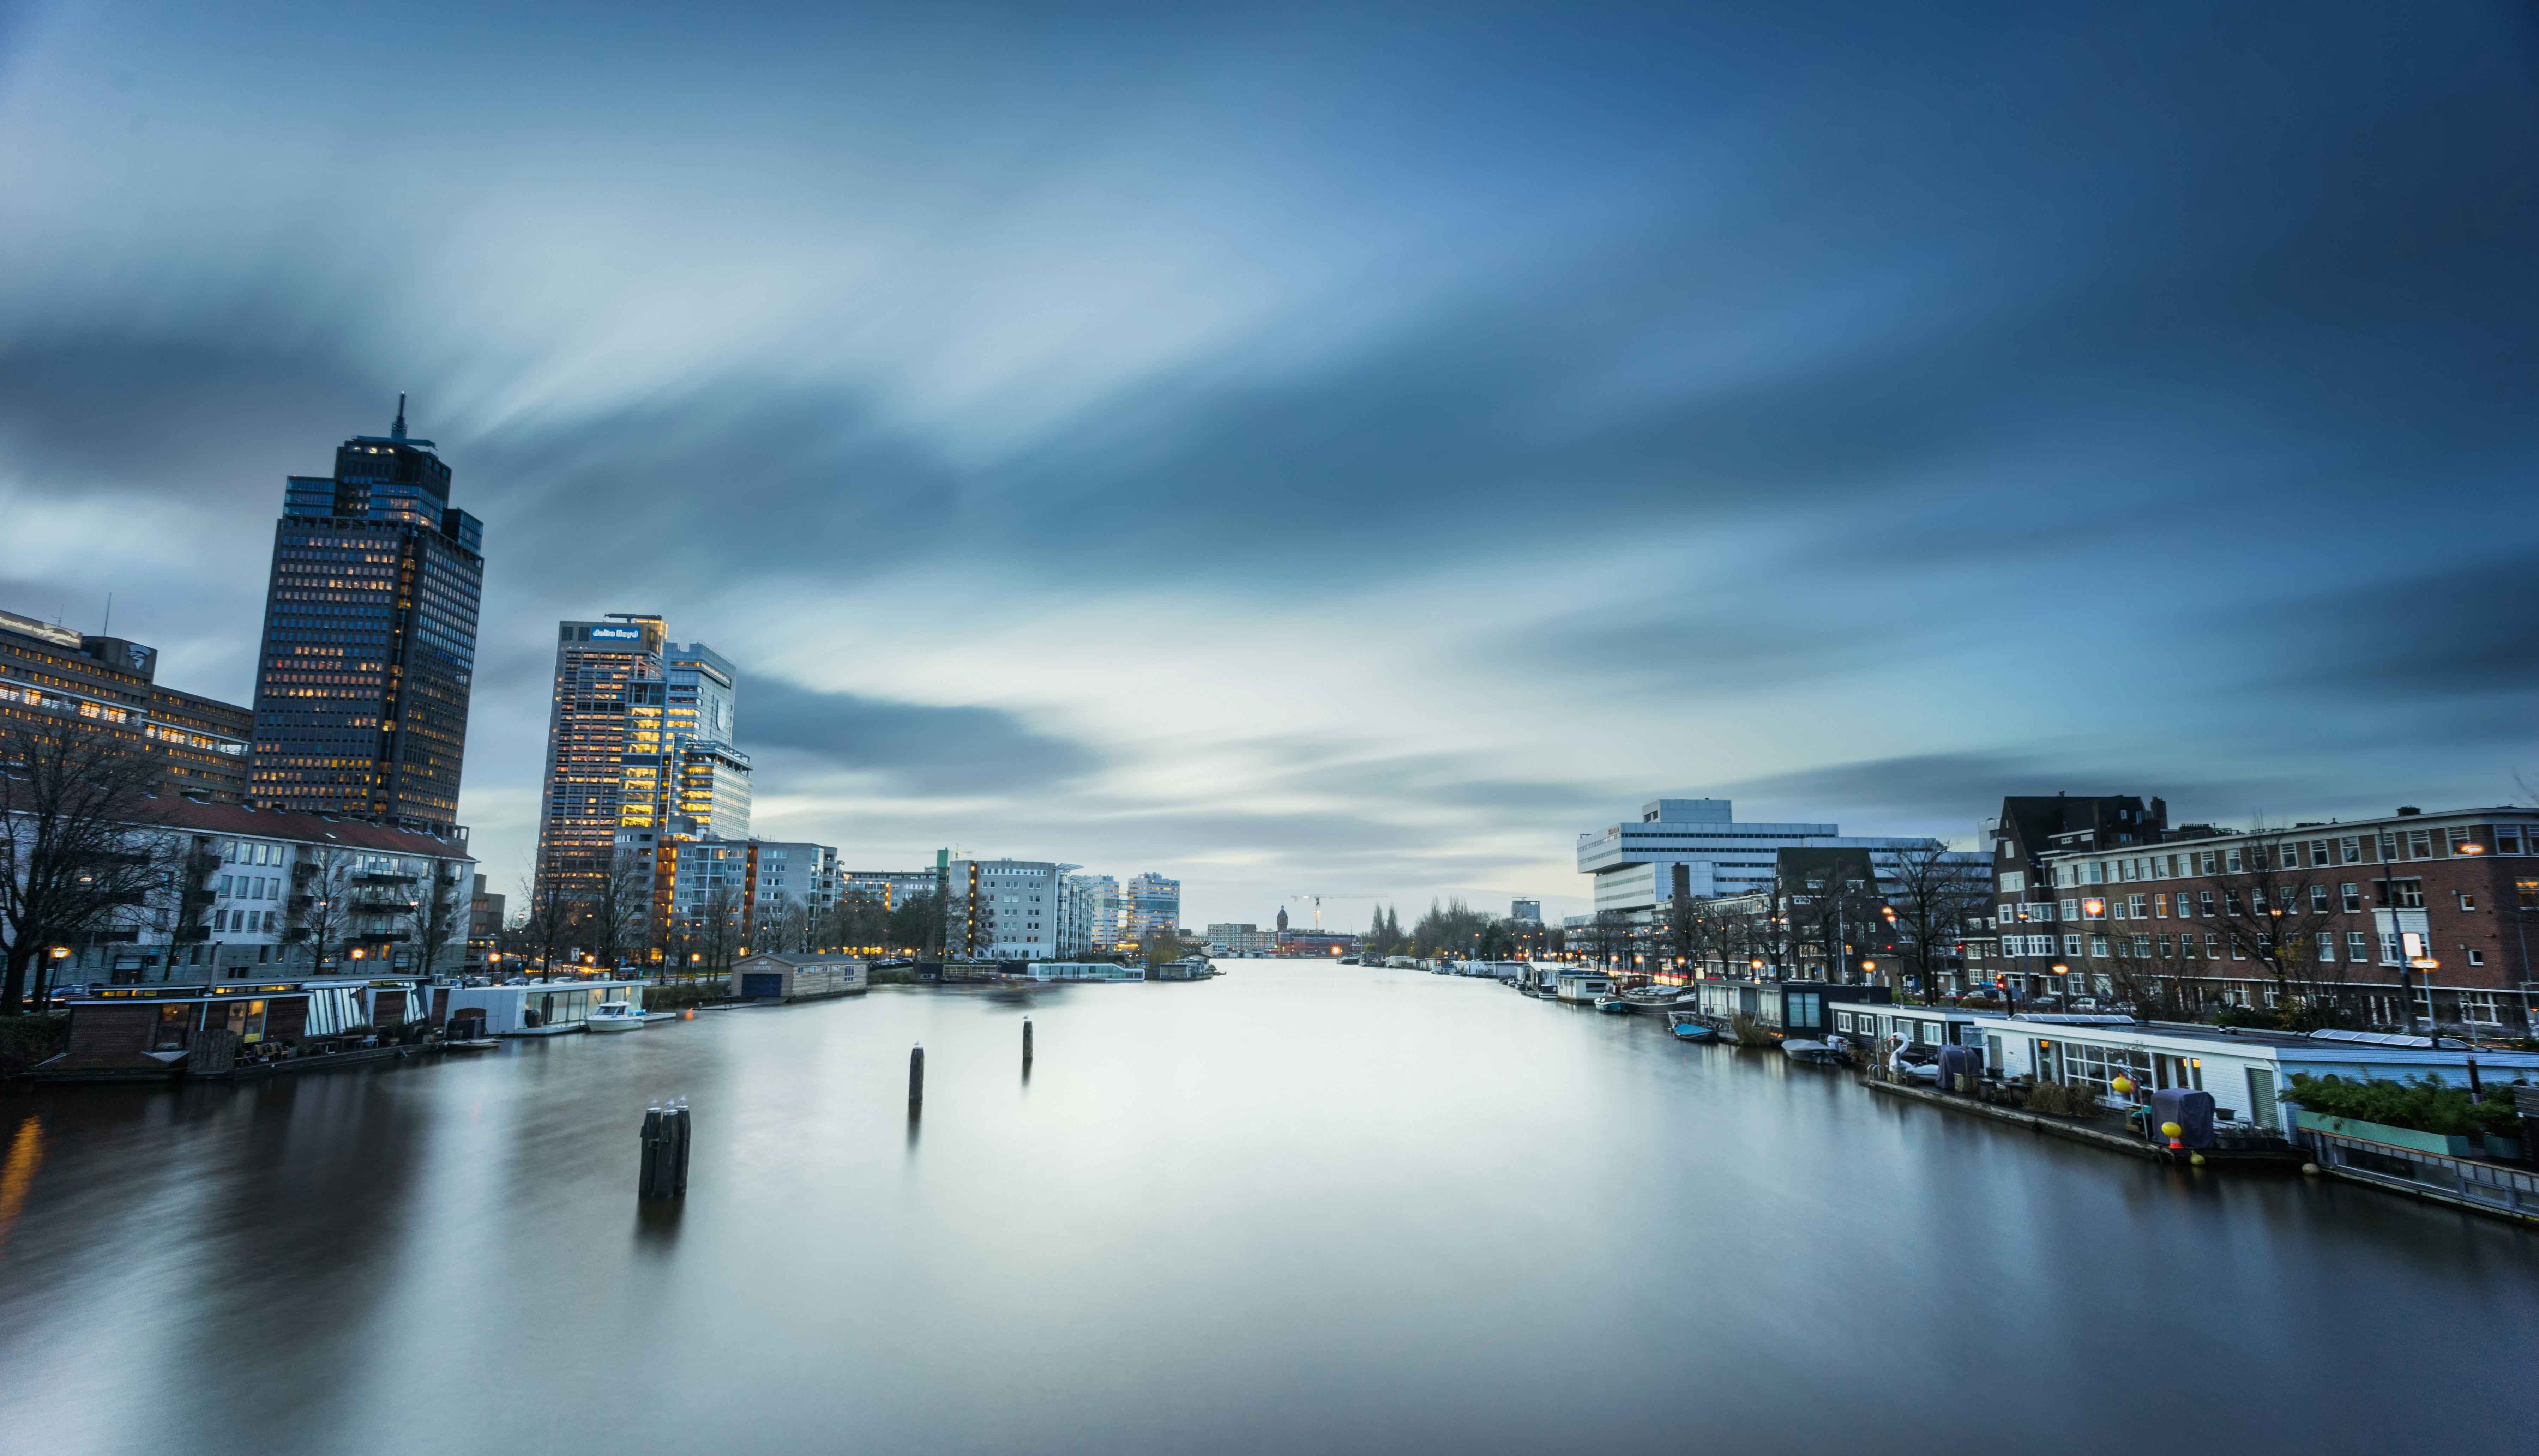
(2411, 919)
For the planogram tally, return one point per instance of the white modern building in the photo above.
(794, 886)
(1694, 848)
(1006, 910)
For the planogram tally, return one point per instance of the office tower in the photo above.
(608, 765)
(703, 699)
(51, 678)
(369, 639)
(631, 767)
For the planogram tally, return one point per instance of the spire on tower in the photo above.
(398, 430)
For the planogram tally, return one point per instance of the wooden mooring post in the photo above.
(1026, 1041)
(916, 1075)
(666, 1151)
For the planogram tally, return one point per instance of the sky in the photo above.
(1343, 451)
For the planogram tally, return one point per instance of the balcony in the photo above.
(384, 877)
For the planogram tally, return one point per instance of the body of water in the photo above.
(1299, 1208)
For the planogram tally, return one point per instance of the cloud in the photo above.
(910, 748)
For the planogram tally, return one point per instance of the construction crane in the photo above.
(1317, 908)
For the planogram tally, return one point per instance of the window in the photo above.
(2166, 948)
(2235, 862)
(2072, 946)
(2420, 844)
(2098, 946)
(2476, 958)
(2479, 1006)
(2238, 952)
(2348, 851)
(2134, 908)
(2070, 909)
(2212, 945)
(2204, 902)
(2526, 892)
(2352, 898)
(2317, 852)
(2356, 947)
(2318, 899)
(2408, 894)
(2160, 907)
(2327, 945)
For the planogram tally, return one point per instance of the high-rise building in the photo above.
(369, 639)
(1154, 907)
(639, 759)
(52, 678)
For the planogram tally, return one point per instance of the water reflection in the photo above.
(1301, 1208)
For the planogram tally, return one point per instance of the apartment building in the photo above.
(54, 680)
(2421, 918)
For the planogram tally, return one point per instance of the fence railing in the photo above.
(2488, 1184)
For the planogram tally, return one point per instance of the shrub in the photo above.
(2427, 1104)
(29, 1039)
(2055, 1100)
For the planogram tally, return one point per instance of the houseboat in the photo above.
(2245, 1070)
(805, 976)
(1584, 985)
(540, 1007)
(152, 1032)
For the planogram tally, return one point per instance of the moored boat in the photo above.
(613, 1015)
(1659, 998)
(1816, 1052)
(1613, 1004)
(1690, 1028)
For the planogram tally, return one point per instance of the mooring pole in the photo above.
(1026, 1041)
(916, 1075)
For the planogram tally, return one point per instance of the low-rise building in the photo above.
(1230, 939)
(269, 893)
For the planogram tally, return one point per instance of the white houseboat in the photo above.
(540, 1007)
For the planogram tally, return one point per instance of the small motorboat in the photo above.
(1813, 1052)
(1613, 1004)
(614, 1016)
(1690, 1028)
(471, 1043)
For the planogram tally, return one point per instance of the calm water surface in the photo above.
(1301, 1208)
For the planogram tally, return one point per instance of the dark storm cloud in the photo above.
(178, 416)
(912, 747)
(2440, 636)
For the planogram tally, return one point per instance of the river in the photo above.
(1298, 1208)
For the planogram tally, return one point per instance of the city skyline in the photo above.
(1720, 417)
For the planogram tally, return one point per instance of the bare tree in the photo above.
(618, 916)
(75, 855)
(323, 911)
(1931, 897)
(440, 915)
(549, 916)
(2272, 911)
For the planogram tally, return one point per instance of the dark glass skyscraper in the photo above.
(369, 639)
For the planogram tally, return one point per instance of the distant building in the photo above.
(1154, 907)
(1317, 942)
(888, 889)
(1004, 909)
(1240, 939)
(1091, 923)
(1693, 848)
(368, 652)
(52, 676)
(792, 887)
(484, 923)
(1525, 912)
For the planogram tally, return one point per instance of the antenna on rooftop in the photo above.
(398, 430)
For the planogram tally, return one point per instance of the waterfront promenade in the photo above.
(1300, 1208)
